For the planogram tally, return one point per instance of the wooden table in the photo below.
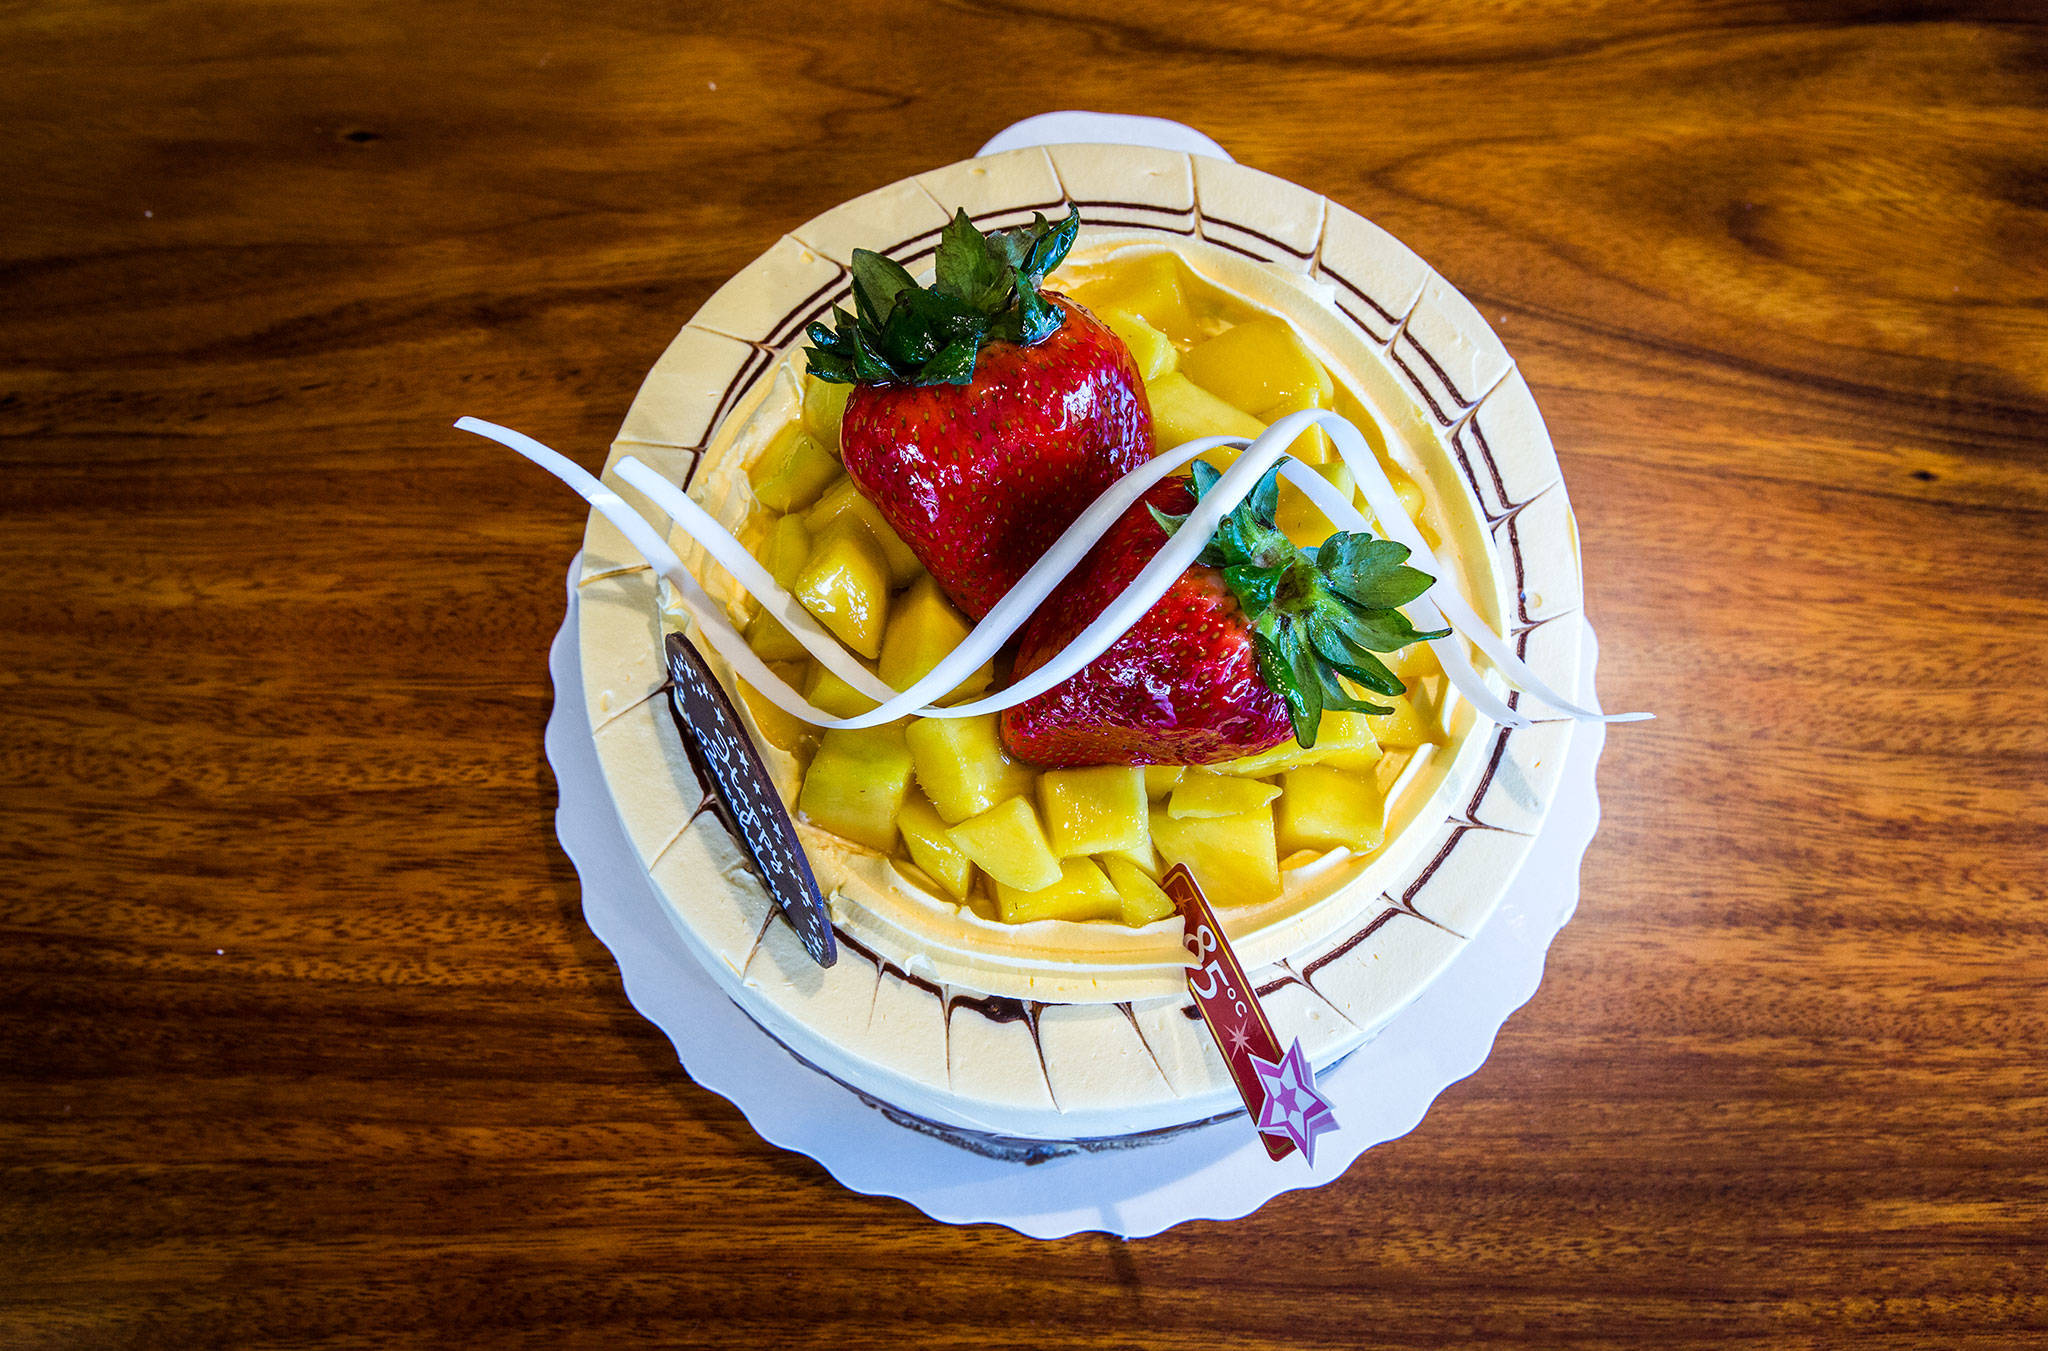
(303, 1041)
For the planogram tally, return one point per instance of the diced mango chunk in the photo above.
(1347, 741)
(793, 471)
(1182, 411)
(962, 766)
(1284, 756)
(824, 406)
(1312, 446)
(1160, 779)
(1145, 858)
(843, 500)
(1095, 810)
(787, 548)
(1259, 365)
(1152, 350)
(845, 583)
(1201, 794)
(783, 730)
(1080, 892)
(1234, 858)
(830, 692)
(1153, 287)
(932, 849)
(857, 784)
(1321, 808)
(924, 628)
(770, 640)
(1143, 900)
(1407, 726)
(1343, 739)
(1301, 520)
(1411, 662)
(1008, 842)
(1410, 493)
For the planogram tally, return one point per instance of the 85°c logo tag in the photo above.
(1278, 1088)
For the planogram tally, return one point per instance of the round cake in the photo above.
(1056, 1015)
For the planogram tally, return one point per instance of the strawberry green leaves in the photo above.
(968, 268)
(984, 289)
(1318, 616)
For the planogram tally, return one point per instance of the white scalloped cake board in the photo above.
(1217, 1172)
(1444, 372)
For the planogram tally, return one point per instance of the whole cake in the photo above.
(1009, 973)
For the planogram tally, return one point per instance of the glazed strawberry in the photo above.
(986, 414)
(1247, 648)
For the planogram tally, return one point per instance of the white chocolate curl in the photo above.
(1016, 608)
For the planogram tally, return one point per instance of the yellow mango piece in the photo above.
(1321, 807)
(787, 547)
(824, 406)
(1202, 794)
(1080, 892)
(1094, 811)
(1143, 900)
(1160, 779)
(783, 730)
(1152, 350)
(932, 849)
(1301, 520)
(1145, 859)
(1182, 410)
(1347, 741)
(1259, 365)
(829, 692)
(1152, 286)
(1235, 859)
(753, 532)
(1410, 493)
(843, 500)
(1412, 662)
(857, 784)
(1344, 739)
(962, 766)
(770, 640)
(1008, 843)
(1312, 446)
(1284, 756)
(1406, 727)
(924, 628)
(845, 583)
(793, 471)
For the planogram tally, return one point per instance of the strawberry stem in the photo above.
(1318, 616)
(985, 289)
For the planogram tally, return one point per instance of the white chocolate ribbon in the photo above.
(1016, 608)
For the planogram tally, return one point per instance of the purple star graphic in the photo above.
(1293, 1107)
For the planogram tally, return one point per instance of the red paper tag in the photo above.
(1228, 1003)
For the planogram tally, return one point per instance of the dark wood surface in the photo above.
(303, 1041)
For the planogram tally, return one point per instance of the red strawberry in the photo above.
(986, 414)
(1245, 649)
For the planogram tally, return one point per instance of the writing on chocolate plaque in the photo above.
(1279, 1089)
(719, 746)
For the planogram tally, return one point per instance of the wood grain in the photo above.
(305, 1042)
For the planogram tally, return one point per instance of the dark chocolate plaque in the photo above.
(719, 746)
